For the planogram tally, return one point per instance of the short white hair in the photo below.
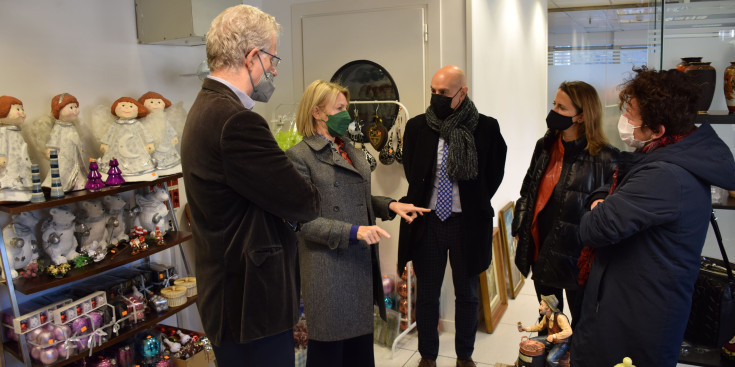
(237, 31)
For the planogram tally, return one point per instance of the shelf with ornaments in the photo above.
(152, 318)
(81, 195)
(45, 281)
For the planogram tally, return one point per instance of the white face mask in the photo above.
(625, 129)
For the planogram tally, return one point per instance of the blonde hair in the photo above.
(585, 100)
(237, 31)
(318, 94)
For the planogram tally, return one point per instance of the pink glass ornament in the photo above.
(45, 338)
(35, 352)
(388, 284)
(65, 350)
(61, 332)
(49, 355)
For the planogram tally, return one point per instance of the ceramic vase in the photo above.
(730, 87)
(705, 76)
(685, 61)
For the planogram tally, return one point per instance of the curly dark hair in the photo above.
(665, 97)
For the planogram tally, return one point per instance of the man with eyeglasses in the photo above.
(246, 198)
(454, 159)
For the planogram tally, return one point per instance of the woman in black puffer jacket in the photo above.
(569, 162)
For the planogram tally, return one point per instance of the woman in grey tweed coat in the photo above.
(338, 251)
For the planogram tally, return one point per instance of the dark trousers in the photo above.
(429, 262)
(272, 351)
(354, 352)
(574, 303)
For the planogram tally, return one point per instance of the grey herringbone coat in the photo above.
(339, 280)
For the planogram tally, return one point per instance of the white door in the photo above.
(330, 34)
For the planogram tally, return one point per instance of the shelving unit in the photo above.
(43, 282)
(711, 356)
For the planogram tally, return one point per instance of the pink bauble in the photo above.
(35, 352)
(45, 338)
(61, 332)
(105, 362)
(63, 351)
(388, 284)
(96, 319)
(32, 335)
(81, 326)
(49, 327)
(49, 355)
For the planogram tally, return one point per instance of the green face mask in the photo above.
(338, 123)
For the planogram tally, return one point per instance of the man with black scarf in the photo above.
(454, 159)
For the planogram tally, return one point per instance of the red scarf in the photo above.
(587, 257)
(340, 145)
(545, 189)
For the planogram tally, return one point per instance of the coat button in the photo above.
(335, 208)
(336, 183)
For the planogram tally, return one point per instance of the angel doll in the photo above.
(128, 141)
(60, 132)
(158, 124)
(15, 164)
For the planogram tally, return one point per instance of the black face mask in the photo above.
(556, 121)
(442, 105)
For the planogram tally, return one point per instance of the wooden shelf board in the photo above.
(152, 318)
(45, 281)
(75, 196)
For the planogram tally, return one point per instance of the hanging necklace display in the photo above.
(387, 155)
(377, 133)
(355, 131)
(399, 145)
(369, 157)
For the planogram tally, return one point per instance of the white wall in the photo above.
(508, 76)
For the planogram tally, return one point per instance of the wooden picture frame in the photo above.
(510, 244)
(493, 296)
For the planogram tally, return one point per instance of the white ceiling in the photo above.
(582, 16)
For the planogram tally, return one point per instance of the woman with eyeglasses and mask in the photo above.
(569, 162)
(645, 238)
(338, 251)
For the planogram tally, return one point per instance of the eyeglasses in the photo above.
(275, 60)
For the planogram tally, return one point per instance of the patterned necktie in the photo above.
(444, 191)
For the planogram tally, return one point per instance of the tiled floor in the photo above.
(499, 347)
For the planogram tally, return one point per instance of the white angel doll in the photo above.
(128, 141)
(15, 164)
(158, 123)
(65, 139)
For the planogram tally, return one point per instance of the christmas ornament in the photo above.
(387, 155)
(388, 284)
(114, 174)
(49, 355)
(94, 178)
(57, 191)
(36, 191)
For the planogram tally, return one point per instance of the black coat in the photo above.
(648, 237)
(241, 187)
(556, 265)
(419, 163)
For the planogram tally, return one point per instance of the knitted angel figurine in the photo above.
(159, 124)
(15, 164)
(128, 141)
(61, 131)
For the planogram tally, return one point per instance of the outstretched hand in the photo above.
(371, 234)
(407, 211)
